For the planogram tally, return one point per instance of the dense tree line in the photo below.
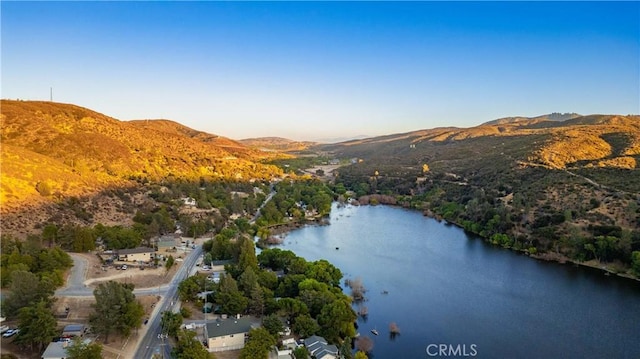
(294, 199)
(31, 272)
(31, 256)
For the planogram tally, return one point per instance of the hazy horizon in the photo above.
(312, 71)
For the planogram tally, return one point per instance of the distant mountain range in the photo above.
(556, 116)
(276, 144)
(569, 140)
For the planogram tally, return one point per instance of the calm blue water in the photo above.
(445, 287)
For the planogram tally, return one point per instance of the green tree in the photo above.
(26, 290)
(189, 347)
(207, 259)
(247, 281)
(292, 307)
(247, 255)
(345, 348)
(189, 288)
(259, 344)
(81, 350)
(171, 323)
(257, 300)
(37, 326)
(305, 326)
(116, 309)
(301, 353)
(361, 355)
(323, 271)
(170, 262)
(336, 321)
(272, 324)
(50, 234)
(229, 297)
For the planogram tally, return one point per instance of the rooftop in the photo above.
(229, 326)
(319, 348)
(73, 328)
(136, 250)
(55, 350)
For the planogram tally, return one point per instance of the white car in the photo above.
(10, 333)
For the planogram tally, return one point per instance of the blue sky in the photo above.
(318, 70)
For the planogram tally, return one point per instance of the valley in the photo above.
(553, 188)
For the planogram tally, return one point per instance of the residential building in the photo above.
(227, 334)
(140, 254)
(320, 349)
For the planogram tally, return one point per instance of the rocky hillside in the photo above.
(53, 150)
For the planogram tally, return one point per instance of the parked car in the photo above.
(10, 333)
(124, 267)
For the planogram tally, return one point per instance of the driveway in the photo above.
(75, 282)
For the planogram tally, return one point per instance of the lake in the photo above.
(448, 290)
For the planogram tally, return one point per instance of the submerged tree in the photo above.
(364, 344)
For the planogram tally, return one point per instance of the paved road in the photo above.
(269, 196)
(75, 282)
(152, 343)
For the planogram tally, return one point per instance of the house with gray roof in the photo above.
(319, 348)
(228, 334)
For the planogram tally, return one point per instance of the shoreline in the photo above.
(391, 201)
(547, 257)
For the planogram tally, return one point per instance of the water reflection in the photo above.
(441, 285)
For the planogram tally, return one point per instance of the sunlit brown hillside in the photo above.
(51, 150)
